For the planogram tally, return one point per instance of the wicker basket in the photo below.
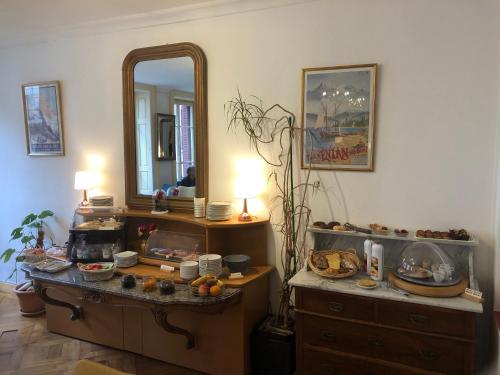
(33, 258)
(97, 275)
(350, 253)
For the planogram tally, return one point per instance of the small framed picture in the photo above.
(165, 136)
(338, 117)
(42, 118)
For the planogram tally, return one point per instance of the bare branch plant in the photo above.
(275, 127)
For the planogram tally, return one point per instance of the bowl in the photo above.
(237, 262)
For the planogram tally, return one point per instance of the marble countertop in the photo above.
(309, 279)
(74, 278)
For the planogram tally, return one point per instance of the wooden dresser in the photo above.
(341, 333)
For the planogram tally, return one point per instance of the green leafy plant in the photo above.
(25, 235)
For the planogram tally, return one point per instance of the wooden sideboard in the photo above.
(217, 336)
(340, 333)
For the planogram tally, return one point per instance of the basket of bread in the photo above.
(334, 264)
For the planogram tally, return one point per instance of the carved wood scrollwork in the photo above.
(161, 316)
(76, 311)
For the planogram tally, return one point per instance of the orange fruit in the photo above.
(215, 290)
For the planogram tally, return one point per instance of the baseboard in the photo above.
(6, 287)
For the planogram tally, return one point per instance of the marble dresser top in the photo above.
(309, 279)
(74, 278)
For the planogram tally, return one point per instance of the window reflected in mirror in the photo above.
(164, 126)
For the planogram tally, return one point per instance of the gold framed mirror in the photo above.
(165, 125)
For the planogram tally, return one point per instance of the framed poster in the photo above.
(165, 136)
(42, 118)
(338, 117)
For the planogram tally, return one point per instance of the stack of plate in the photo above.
(219, 211)
(125, 259)
(210, 263)
(102, 200)
(189, 270)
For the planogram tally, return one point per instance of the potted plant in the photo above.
(30, 235)
(275, 126)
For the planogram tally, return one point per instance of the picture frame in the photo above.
(165, 137)
(43, 119)
(338, 117)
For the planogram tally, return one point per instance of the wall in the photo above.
(435, 163)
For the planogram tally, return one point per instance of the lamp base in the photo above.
(245, 216)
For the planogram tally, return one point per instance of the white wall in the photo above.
(435, 163)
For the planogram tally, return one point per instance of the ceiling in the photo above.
(28, 17)
(170, 74)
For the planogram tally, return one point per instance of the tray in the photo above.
(429, 291)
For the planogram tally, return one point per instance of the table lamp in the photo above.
(245, 189)
(83, 181)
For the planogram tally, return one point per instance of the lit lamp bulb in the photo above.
(83, 181)
(248, 184)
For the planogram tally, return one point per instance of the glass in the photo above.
(167, 286)
(428, 264)
(128, 281)
(148, 284)
(164, 121)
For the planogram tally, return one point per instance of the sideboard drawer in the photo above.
(322, 363)
(336, 304)
(427, 319)
(338, 335)
(422, 351)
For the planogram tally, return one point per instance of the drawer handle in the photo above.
(329, 336)
(429, 355)
(328, 369)
(376, 342)
(419, 320)
(336, 306)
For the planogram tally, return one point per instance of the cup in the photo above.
(199, 207)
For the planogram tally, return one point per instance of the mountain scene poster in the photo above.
(338, 117)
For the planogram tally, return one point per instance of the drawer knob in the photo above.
(429, 355)
(418, 320)
(335, 306)
(328, 369)
(329, 336)
(376, 342)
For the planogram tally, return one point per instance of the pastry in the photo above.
(333, 261)
(319, 261)
(367, 283)
(426, 263)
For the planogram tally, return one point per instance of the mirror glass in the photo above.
(164, 98)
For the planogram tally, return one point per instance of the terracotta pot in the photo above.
(29, 303)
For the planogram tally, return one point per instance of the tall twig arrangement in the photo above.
(275, 127)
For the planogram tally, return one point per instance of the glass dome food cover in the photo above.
(426, 263)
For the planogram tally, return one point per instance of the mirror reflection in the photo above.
(164, 126)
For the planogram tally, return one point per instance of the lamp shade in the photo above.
(249, 182)
(83, 180)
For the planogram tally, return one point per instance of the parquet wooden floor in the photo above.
(27, 348)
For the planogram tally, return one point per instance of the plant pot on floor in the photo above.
(272, 349)
(29, 302)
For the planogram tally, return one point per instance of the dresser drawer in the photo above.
(322, 363)
(427, 319)
(421, 351)
(338, 335)
(336, 304)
